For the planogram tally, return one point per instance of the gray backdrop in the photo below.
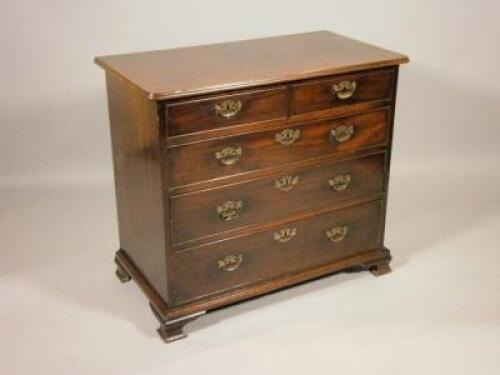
(63, 312)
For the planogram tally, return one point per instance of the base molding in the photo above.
(173, 318)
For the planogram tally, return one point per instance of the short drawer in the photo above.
(214, 112)
(201, 214)
(276, 252)
(342, 90)
(235, 155)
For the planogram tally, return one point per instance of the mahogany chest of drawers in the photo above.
(242, 168)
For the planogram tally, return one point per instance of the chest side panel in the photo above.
(138, 180)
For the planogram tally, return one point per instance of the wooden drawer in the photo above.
(201, 214)
(243, 260)
(198, 115)
(342, 90)
(235, 155)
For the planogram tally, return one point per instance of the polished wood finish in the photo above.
(365, 261)
(193, 116)
(292, 119)
(136, 137)
(197, 273)
(240, 172)
(212, 68)
(197, 162)
(194, 215)
(317, 95)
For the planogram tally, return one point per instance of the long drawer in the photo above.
(276, 252)
(228, 156)
(201, 214)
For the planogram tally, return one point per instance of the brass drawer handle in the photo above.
(229, 210)
(340, 182)
(342, 133)
(337, 234)
(285, 235)
(229, 155)
(286, 183)
(228, 108)
(344, 90)
(230, 262)
(287, 137)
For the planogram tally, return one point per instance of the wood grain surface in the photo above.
(136, 137)
(197, 273)
(192, 116)
(173, 73)
(195, 216)
(260, 150)
(317, 95)
(198, 128)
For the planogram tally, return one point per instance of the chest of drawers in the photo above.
(246, 167)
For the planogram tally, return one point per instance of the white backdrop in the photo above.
(62, 310)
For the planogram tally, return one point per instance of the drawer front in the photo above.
(342, 90)
(204, 213)
(235, 155)
(225, 110)
(276, 252)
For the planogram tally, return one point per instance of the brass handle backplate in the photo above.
(229, 210)
(286, 183)
(285, 235)
(230, 262)
(229, 155)
(287, 137)
(342, 133)
(337, 234)
(344, 90)
(340, 182)
(228, 108)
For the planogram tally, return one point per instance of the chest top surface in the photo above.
(180, 72)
